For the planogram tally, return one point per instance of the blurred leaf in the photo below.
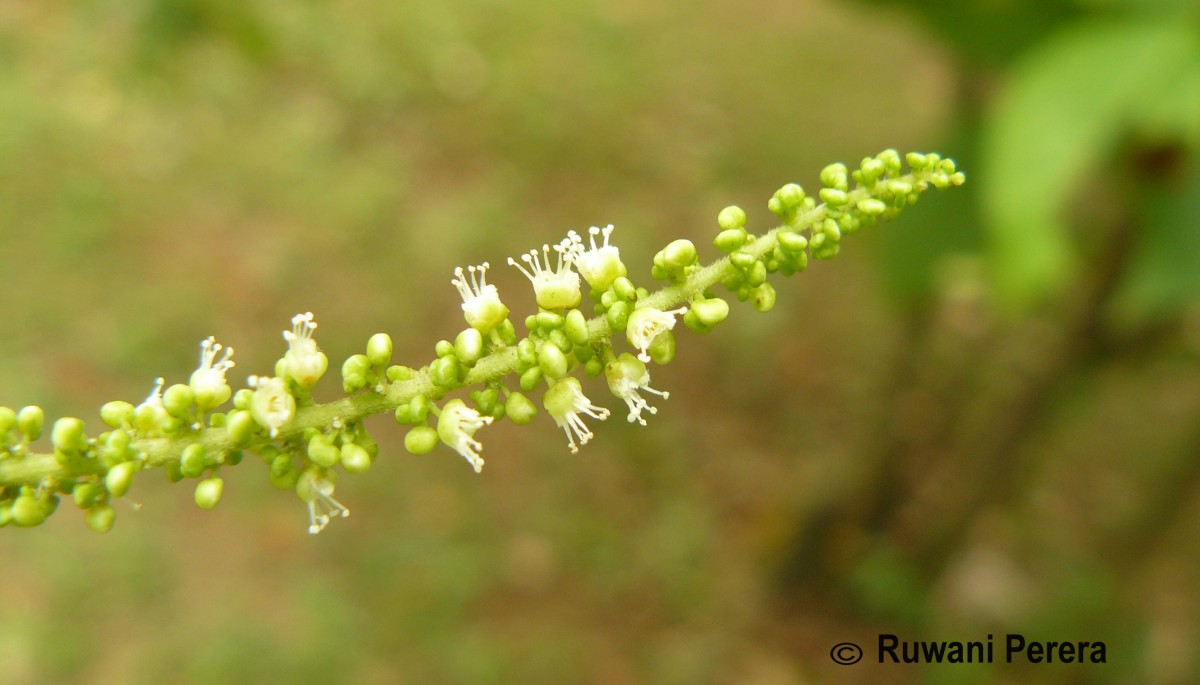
(1068, 104)
(971, 27)
(1164, 275)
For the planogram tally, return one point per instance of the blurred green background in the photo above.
(984, 418)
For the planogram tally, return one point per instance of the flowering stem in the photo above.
(308, 430)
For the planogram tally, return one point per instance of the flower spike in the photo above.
(481, 305)
(556, 288)
(565, 401)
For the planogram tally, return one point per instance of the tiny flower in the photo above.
(646, 324)
(627, 376)
(272, 406)
(208, 380)
(600, 265)
(315, 488)
(303, 362)
(481, 305)
(565, 401)
(554, 289)
(457, 426)
(151, 415)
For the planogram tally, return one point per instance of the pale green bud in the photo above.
(833, 197)
(421, 440)
(710, 312)
(552, 361)
(575, 327)
(730, 239)
(763, 297)
(117, 414)
(732, 217)
(469, 346)
(193, 461)
(120, 477)
(30, 421)
(67, 435)
(356, 459)
(239, 426)
(101, 517)
(379, 349)
(679, 254)
(322, 453)
(662, 350)
(178, 399)
(208, 492)
(519, 408)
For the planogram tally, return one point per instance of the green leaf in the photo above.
(1067, 106)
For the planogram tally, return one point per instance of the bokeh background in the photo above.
(983, 418)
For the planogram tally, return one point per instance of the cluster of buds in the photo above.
(195, 429)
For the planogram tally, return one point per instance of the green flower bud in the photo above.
(116, 414)
(507, 333)
(730, 239)
(354, 373)
(662, 349)
(679, 254)
(101, 517)
(68, 436)
(823, 247)
(872, 207)
(193, 461)
(208, 492)
(28, 510)
(239, 426)
(355, 459)
(560, 340)
(8, 421)
(469, 346)
(445, 371)
(549, 320)
(30, 421)
(916, 161)
(322, 453)
(584, 352)
(732, 217)
(834, 197)
(519, 408)
(575, 327)
(281, 464)
(834, 176)
(710, 312)
(552, 361)
(379, 349)
(618, 316)
(398, 374)
(421, 440)
(792, 243)
(443, 348)
(120, 477)
(243, 398)
(763, 297)
(530, 378)
(624, 289)
(743, 260)
(791, 196)
(527, 352)
(87, 493)
(178, 399)
(594, 367)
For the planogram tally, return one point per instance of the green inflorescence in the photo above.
(193, 430)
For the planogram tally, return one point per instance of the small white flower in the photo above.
(208, 380)
(273, 407)
(600, 265)
(315, 488)
(627, 377)
(303, 362)
(457, 426)
(481, 305)
(565, 401)
(648, 323)
(151, 416)
(556, 288)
